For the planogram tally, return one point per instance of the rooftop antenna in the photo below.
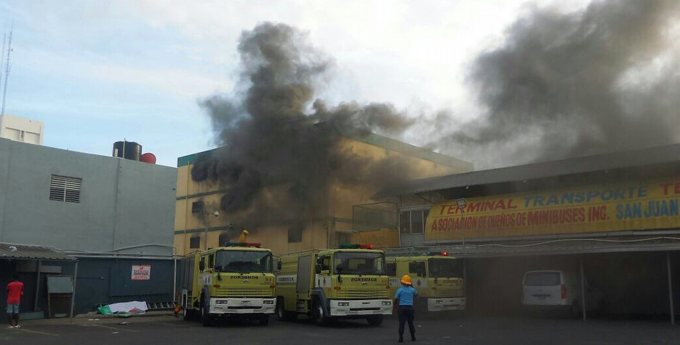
(9, 53)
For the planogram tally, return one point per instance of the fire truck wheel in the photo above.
(319, 314)
(375, 320)
(281, 312)
(264, 320)
(206, 319)
(187, 314)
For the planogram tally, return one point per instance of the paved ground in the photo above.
(168, 330)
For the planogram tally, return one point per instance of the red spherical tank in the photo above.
(148, 158)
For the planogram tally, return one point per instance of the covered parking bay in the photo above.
(636, 278)
(33, 264)
(616, 217)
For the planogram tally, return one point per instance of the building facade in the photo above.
(83, 203)
(611, 220)
(110, 214)
(22, 129)
(349, 214)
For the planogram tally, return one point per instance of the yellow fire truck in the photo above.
(236, 280)
(329, 284)
(437, 277)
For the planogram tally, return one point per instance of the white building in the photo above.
(21, 129)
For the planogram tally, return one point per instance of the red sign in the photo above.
(141, 272)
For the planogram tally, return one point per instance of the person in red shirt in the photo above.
(15, 289)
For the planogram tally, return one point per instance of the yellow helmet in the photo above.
(406, 279)
(245, 232)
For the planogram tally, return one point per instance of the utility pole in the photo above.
(461, 205)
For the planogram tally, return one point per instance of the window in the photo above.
(211, 260)
(360, 262)
(542, 279)
(405, 222)
(243, 261)
(341, 238)
(295, 234)
(325, 262)
(417, 222)
(445, 268)
(417, 268)
(391, 269)
(66, 189)
(413, 222)
(195, 242)
(197, 207)
(224, 238)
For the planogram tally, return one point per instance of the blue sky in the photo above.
(96, 72)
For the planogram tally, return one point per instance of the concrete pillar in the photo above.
(73, 296)
(670, 287)
(583, 289)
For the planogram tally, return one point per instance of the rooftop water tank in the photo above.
(148, 158)
(127, 149)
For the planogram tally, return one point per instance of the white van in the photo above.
(559, 289)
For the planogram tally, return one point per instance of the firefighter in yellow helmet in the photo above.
(244, 236)
(404, 301)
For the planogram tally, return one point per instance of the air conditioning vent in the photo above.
(65, 189)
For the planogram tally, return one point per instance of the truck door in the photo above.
(304, 275)
(418, 272)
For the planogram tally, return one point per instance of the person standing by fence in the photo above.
(15, 289)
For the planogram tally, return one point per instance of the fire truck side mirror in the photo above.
(201, 265)
(278, 265)
(318, 269)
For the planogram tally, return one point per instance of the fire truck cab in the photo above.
(236, 280)
(329, 284)
(437, 277)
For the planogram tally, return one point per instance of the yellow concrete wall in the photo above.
(384, 238)
(183, 180)
(342, 198)
(272, 237)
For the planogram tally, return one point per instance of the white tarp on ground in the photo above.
(127, 306)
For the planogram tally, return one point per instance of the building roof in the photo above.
(552, 247)
(371, 139)
(30, 252)
(652, 156)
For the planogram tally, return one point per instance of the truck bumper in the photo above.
(242, 305)
(360, 307)
(443, 304)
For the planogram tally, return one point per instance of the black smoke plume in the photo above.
(601, 79)
(273, 132)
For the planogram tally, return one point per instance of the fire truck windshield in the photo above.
(360, 263)
(243, 261)
(445, 268)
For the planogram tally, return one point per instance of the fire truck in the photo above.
(437, 277)
(236, 280)
(329, 284)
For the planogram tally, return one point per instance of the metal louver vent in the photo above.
(66, 189)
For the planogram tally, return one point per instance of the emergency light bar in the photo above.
(438, 253)
(240, 244)
(356, 246)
